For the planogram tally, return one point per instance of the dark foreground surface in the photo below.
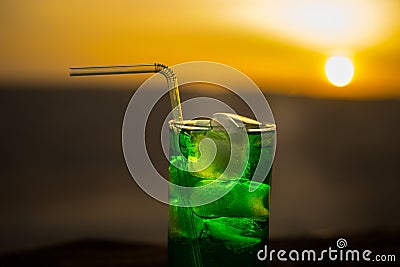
(114, 253)
(90, 253)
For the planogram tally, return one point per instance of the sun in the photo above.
(339, 70)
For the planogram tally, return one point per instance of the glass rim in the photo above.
(205, 125)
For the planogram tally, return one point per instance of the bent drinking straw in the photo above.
(176, 113)
(139, 68)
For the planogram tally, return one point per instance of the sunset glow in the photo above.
(281, 45)
(322, 24)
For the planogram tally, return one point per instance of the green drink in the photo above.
(231, 230)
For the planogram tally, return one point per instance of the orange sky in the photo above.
(281, 45)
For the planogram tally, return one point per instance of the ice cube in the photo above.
(239, 202)
(232, 231)
(235, 120)
(209, 154)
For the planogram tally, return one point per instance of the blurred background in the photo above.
(63, 177)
